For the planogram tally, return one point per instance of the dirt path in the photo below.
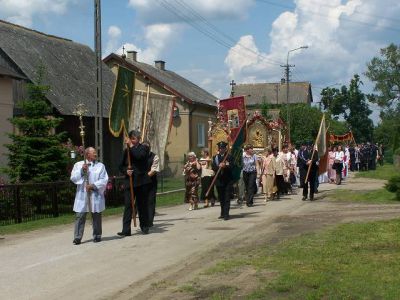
(45, 265)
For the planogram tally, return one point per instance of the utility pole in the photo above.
(98, 120)
(287, 75)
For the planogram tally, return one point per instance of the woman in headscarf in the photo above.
(192, 171)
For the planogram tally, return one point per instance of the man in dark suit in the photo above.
(303, 162)
(141, 183)
(153, 167)
(224, 180)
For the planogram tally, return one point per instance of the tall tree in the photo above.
(384, 71)
(351, 104)
(36, 153)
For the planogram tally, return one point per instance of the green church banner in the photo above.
(121, 104)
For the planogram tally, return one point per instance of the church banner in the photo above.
(333, 138)
(232, 111)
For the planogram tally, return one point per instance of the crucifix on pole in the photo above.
(232, 84)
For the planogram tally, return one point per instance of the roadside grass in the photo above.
(349, 261)
(162, 201)
(384, 172)
(380, 196)
(170, 183)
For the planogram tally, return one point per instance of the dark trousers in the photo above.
(249, 180)
(224, 197)
(142, 205)
(280, 183)
(312, 180)
(303, 174)
(80, 219)
(152, 194)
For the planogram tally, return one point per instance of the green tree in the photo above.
(305, 121)
(351, 104)
(384, 71)
(36, 153)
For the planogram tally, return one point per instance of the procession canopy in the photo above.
(263, 133)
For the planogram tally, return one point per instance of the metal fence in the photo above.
(32, 201)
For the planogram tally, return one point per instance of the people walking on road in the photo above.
(207, 175)
(250, 166)
(90, 177)
(136, 167)
(222, 165)
(268, 166)
(192, 171)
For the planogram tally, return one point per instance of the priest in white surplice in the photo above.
(89, 193)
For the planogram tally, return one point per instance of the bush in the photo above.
(397, 151)
(394, 186)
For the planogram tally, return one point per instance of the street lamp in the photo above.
(287, 86)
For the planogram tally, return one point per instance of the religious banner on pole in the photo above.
(341, 138)
(233, 112)
(121, 102)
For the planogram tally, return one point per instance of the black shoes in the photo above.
(97, 239)
(226, 218)
(304, 198)
(123, 234)
(220, 217)
(76, 241)
(145, 230)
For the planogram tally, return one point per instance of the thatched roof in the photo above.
(171, 81)
(275, 93)
(70, 67)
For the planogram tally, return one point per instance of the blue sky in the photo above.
(256, 35)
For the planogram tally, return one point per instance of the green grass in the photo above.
(381, 196)
(384, 172)
(170, 183)
(162, 201)
(351, 261)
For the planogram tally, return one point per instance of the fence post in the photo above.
(17, 201)
(54, 201)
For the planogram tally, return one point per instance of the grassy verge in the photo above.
(384, 172)
(352, 261)
(380, 196)
(162, 201)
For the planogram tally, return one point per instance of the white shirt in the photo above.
(339, 155)
(97, 175)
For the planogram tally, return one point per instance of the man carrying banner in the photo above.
(141, 183)
(224, 178)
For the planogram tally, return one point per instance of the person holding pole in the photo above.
(90, 177)
(222, 166)
(138, 156)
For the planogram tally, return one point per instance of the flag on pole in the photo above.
(322, 148)
(237, 153)
(232, 111)
(121, 103)
(321, 138)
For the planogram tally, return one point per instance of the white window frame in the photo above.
(201, 135)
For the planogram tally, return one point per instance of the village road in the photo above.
(44, 264)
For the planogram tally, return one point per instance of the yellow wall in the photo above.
(6, 112)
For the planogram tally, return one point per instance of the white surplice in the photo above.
(99, 178)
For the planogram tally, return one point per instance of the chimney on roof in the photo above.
(160, 64)
(131, 55)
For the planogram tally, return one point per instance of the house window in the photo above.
(201, 137)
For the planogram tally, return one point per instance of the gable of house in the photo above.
(70, 68)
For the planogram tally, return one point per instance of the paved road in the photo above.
(45, 264)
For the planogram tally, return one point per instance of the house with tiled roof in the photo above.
(274, 93)
(70, 72)
(193, 106)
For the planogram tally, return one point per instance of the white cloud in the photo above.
(22, 11)
(157, 38)
(340, 43)
(114, 35)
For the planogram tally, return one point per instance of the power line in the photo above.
(211, 30)
(327, 16)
